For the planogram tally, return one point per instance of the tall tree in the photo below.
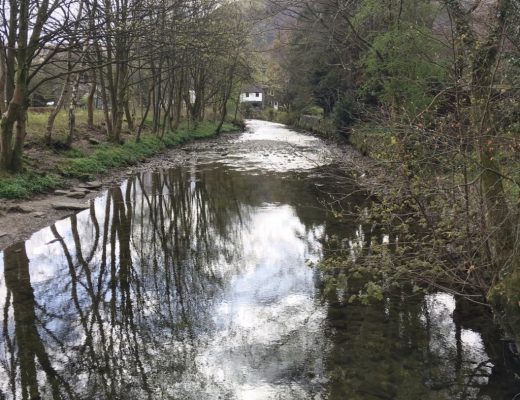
(21, 42)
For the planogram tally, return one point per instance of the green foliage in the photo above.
(25, 185)
(345, 113)
(314, 110)
(373, 140)
(405, 79)
(384, 55)
(315, 76)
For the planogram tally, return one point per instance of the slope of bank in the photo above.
(51, 168)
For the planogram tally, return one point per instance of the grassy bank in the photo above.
(111, 156)
(85, 162)
(27, 184)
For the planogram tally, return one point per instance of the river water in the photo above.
(201, 282)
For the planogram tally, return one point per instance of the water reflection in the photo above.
(31, 350)
(411, 345)
(194, 283)
(147, 292)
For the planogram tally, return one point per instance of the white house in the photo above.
(253, 95)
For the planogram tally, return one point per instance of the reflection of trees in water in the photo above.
(139, 273)
(135, 277)
(190, 227)
(26, 341)
(129, 288)
(409, 345)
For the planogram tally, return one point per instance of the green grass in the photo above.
(72, 153)
(111, 156)
(25, 185)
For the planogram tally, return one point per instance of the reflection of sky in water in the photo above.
(443, 342)
(260, 333)
(269, 321)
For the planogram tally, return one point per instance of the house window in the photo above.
(257, 94)
(247, 94)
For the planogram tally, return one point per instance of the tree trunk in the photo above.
(226, 95)
(72, 111)
(19, 139)
(145, 115)
(6, 131)
(237, 107)
(178, 104)
(3, 79)
(90, 100)
(129, 117)
(484, 63)
(59, 104)
(11, 156)
(119, 110)
(106, 110)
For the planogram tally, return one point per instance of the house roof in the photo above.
(253, 89)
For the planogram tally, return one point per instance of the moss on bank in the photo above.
(76, 164)
(27, 184)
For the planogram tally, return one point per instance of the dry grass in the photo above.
(37, 123)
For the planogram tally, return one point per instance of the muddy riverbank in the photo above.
(19, 218)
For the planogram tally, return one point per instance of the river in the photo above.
(202, 282)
